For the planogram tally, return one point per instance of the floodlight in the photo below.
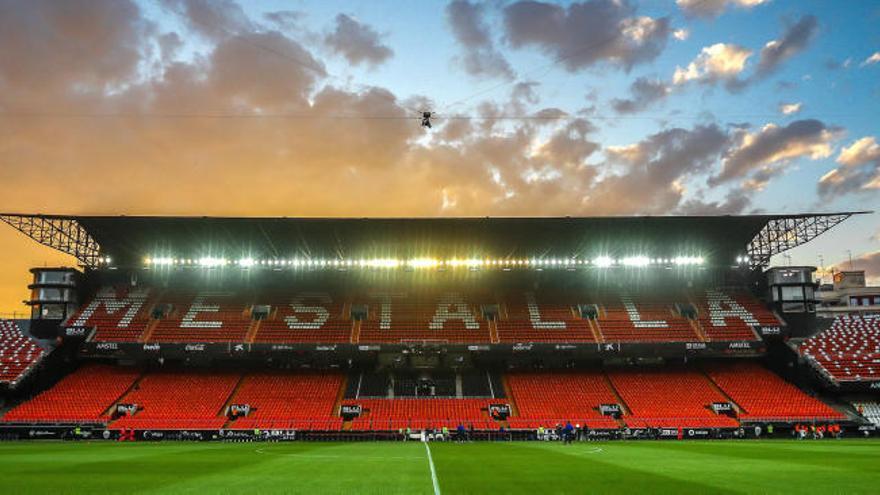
(603, 261)
(638, 261)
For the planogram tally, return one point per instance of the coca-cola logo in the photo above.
(194, 347)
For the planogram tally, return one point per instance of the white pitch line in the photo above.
(433, 471)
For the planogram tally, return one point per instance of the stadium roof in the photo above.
(128, 239)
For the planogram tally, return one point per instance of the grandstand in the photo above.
(18, 353)
(377, 327)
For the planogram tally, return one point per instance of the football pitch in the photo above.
(766, 466)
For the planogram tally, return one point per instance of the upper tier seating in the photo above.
(394, 414)
(282, 401)
(762, 395)
(304, 317)
(730, 315)
(447, 317)
(18, 353)
(83, 396)
(669, 398)
(869, 411)
(550, 319)
(179, 400)
(119, 314)
(545, 399)
(204, 317)
(849, 350)
(642, 319)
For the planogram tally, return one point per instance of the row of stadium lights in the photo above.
(420, 263)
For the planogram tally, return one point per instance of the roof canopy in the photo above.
(128, 239)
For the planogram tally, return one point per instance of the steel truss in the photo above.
(60, 233)
(784, 233)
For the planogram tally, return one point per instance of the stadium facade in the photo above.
(199, 327)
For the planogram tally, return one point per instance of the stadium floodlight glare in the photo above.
(603, 261)
(211, 262)
(422, 263)
(688, 260)
(246, 262)
(636, 261)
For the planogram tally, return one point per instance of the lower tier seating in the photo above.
(669, 398)
(672, 397)
(849, 350)
(545, 399)
(18, 353)
(395, 414)
(179, 399)
(82, 396)
(763, 395)
(289, 401)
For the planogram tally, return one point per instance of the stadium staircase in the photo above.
(108, 412)
(356, 332)
(253, 331)
(231, 400)
(148, 331)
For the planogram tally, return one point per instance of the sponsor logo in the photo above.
(194, 347)
(565, 347)
(368, 348)
(668, 432)
(771, 331)
(152, 347)
(695, 346)
(351, 409)
(698, 433)
(611, 347)
(478, 348)
(875, 385)
(42, 433)
(609, 409)
(739, 345)
(238, 348)
(76, 331)
(107, 346)
(523, 347)
(330, 348)
(281, 347)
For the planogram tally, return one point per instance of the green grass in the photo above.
(777, 466)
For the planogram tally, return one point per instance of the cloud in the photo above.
(48, 48)
(713, 8)
(213, 19)
(586, 33)
(284, 19)
(719, 62)
(873, 59)
(790, 108)
(480, 57)
(869, 262)
(357, 42)
(681, 34)
(763, 154)
(655, 170)
(858, 170)
(644, 92)
(794, 40)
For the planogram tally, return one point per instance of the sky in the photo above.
(299, 108)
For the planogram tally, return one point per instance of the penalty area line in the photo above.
(433, 470)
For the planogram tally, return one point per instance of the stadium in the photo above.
(439, 247)
(424, 346)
